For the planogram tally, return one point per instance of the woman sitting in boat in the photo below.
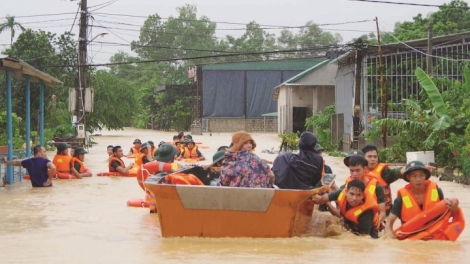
(242, 168)
(418, 203)
(76, 164)
(116, 164)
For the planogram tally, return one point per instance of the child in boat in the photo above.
(116, 164)
(179, 148)
(243, 168)
(358, 208)
(76, 164)
(419, 195)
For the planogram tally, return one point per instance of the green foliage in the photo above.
(18, 140)
(115, 103)
(321, 124)
(336, 153)
(290, 140)
(11, 25)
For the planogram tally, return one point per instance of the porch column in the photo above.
(9, 126)
(28, 114)
(41, 113)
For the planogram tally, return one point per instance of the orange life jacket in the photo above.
(190, 154)
(377, 174)
(62, 162)
(135, 150)
(115, 159)
(77, 160)
(138, 159)
(352, 214)
(410, 207)
(182, 178)
(370, 186)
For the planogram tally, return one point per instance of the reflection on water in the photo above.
(87, 221)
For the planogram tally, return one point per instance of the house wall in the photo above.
(281, 110)
(322, 97)
(344, 95)
(268, 125)
(325, 75)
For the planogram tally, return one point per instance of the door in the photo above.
(299, 114)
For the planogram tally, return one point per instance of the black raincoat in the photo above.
(299, 171)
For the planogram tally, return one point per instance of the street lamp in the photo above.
(99, 35)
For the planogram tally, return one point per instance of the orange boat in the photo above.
(209, 211)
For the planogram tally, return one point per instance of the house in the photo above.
(305, 94)
(236, 95)
(357, 85)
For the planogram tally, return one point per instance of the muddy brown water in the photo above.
(87, 221)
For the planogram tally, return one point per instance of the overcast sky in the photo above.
(266, 12)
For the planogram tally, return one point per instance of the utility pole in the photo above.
(383, 93)
(82, 71)
(428, 57)
(357, 95)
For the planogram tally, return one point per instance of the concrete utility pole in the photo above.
(383, 92)
(82, 68)
(428, 57)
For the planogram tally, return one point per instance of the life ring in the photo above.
(138, 203)
(152, 168)
(27, 177)
(198, 143)
(65, 176)
(421, 219)
(114, 174)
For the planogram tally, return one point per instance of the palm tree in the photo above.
(11, 25)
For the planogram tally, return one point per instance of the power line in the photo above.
(105, 5)
(75, 19)
(56, 14)
(410, 4)
(323, 48)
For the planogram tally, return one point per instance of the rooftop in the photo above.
(267, 65)
(20, 68)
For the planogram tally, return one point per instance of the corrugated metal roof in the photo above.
(20, 68)
(273, 65)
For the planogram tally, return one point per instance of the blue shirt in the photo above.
(37, 169)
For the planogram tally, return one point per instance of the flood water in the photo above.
(88, 221)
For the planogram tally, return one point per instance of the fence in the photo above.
(18, 172)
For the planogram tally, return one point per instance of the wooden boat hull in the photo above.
(209, 211)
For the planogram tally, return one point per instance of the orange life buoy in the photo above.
(152, 168)
(198, 143)
(65, 176)
(27, 177)
(429, 228)
(137, 203)
(114, 174)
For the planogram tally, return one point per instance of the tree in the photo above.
(11, 25)
(312, 36)
(450, 19)
(115, 105)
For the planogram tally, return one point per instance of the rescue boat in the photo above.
(210, 211)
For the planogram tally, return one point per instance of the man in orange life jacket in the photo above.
(357, 165)
(191, 151)
(421, 194)
(152, 148)
(116, 164)
(62, 158)
(358, 208)
(76, 164)
(144, 156)
(380, 171)
(179, 147)
(136, 148)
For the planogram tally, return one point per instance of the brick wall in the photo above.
(233, 125)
